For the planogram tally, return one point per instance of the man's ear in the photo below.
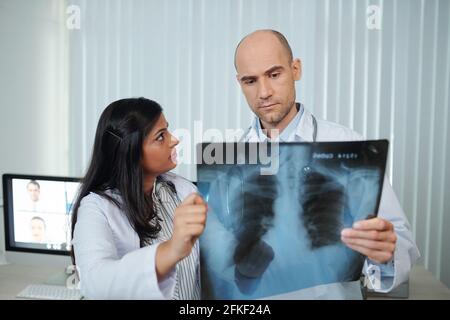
(297, 69)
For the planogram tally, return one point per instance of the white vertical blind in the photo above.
(391, 83)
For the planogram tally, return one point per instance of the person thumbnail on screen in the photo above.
(38, 228)
(34, 193)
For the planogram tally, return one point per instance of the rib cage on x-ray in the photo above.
(321, 199)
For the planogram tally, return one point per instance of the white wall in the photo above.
(33, 89)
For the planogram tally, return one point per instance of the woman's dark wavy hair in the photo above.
(116, 163)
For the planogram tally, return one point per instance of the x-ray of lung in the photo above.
(276, 231)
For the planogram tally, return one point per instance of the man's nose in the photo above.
(265, 89)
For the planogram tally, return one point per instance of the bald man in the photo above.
(266, 72)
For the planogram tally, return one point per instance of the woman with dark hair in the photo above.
(135, 225)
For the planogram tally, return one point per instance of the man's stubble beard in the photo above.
(275, 118)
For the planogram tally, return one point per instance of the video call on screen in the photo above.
(42, 213)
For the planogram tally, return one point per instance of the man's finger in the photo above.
(373, 224)
(370, 234)
(375, 255)
(370, 244)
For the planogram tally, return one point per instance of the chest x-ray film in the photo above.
(276, 212)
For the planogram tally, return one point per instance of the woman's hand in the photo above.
(188, 224)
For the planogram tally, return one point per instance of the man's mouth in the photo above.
(267, 105)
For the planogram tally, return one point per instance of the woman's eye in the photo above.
(160, 137)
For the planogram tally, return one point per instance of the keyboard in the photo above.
(49, 292)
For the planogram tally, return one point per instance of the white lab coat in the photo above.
(406, 252)
(109, 259)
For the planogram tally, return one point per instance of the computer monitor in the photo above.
(37, 213)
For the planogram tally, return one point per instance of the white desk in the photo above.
(14, 278)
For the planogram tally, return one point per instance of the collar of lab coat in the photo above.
(303, 132)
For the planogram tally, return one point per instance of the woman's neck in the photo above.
(148, 183)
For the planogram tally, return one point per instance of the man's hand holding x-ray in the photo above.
(374, 238)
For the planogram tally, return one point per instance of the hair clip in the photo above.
(115, 135)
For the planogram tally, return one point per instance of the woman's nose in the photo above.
(173, 140)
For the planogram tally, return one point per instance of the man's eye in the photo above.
(274, 75)
(249, 81)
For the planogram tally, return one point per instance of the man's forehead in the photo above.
(258, 54)
(260, 62)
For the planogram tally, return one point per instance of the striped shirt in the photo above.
(165, 200)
